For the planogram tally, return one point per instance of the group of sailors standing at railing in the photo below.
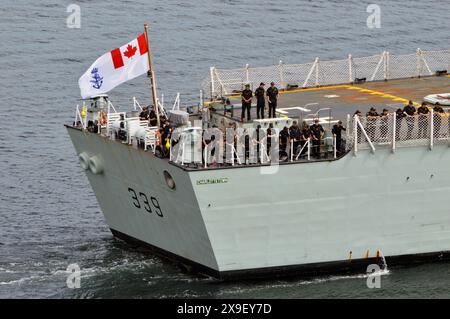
(163, 133)
(314, 133)
(408, 114)
(291, 140)
(271, 94)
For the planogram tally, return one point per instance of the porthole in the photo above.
(169, 180)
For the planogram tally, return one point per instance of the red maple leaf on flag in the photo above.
(130, 51)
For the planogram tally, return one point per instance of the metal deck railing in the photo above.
(384, 66)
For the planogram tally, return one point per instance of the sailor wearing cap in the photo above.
(260, 102)
(372, 117)
(246, 96)
(384, 125)
(410, 111)
(337, 132)
(272, 96)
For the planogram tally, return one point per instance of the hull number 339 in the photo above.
(149, 204)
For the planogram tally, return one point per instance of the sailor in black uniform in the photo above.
(272, 96)
(384, 125)
(423, 111)
(372, 117)
(399, 116)
(246, 96)
(337, 132)
(437, 120)
(317, 132)
(260, 101)
(410, 111)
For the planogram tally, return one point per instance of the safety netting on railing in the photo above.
(384, 66)
(417, 130)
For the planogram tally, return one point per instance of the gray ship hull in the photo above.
(295, 218)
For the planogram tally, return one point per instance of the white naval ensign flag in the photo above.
(115, 67)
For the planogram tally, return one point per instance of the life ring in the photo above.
(102, 118)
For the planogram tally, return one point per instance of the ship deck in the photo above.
(346, 99)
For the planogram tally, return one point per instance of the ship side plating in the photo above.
(136, 201)
(295, 216)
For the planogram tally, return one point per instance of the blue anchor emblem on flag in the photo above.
(97, 79)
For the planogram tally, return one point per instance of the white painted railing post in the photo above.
(350, 69)
(334, 146)
(313, 67)
(232, 154)
(425, 63)
(347, 131)
(182, 155)
(365, 134)
(317, 71)
(176, 104)
(386, 65)
(431, 129)
(309, 148)
(213, 87)
(394, 131)
(201, 101)
(418, 63)
(205, 156)
(381, 61)
(76, 115)
(247, 75)
(292, 150)
(355, 135)
(281, 71)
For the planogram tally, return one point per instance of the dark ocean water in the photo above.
(49, 217)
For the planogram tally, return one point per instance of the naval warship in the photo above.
(210, 206)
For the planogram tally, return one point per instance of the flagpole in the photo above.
(152, 75)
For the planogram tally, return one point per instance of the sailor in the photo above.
(272, 96)
(144, 113)
(271, 133)
(153, 120)
(158, 141)
(337, 133)
(284, 141)
(317, 132)
(384, 128)
(305, 134)
(295, 134)
(166, 136)
(246, 96)
(372, 117)
(422, 112)
(260, 101)
(228, 108)
(437, 119)
(410, 111)
(256, 140)
(399, 116)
